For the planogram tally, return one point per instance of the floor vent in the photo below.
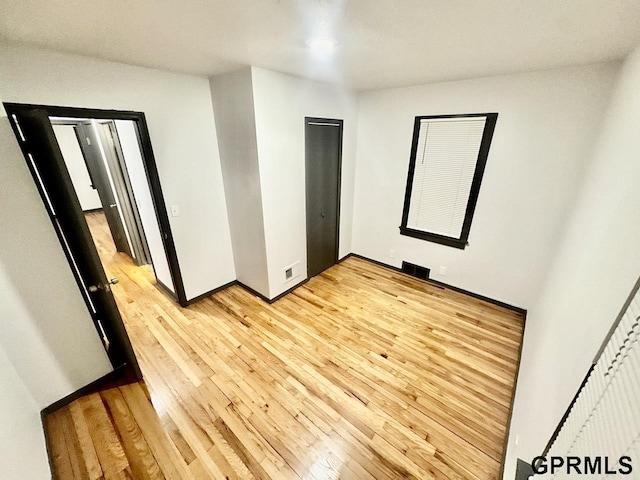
(415, 270)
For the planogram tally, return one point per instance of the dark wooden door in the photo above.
(44, 158)
(124, 192)
(323, 156)
(101, 182)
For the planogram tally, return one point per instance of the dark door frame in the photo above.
(37, 140)
(122, 182)
(307, 121)
(150, 167)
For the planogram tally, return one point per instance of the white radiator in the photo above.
(604, 421)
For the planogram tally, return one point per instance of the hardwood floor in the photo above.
(362, 373)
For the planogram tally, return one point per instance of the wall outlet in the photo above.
(392, 253)
(292, 271)
(443, 270)
(517, 441)
(175, 211)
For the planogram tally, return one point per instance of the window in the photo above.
(448, 156)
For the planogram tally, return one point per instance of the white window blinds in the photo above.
(445, 164)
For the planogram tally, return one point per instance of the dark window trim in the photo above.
(485, 144)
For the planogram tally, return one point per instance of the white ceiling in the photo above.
(382, 43)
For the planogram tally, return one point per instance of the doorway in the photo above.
(95, 159)
(97, 177)
(323, 165)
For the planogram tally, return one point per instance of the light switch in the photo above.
(175, 211)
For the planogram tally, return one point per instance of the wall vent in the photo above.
(292, 271)
(415, 270)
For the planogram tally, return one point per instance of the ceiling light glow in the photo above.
(322, 45)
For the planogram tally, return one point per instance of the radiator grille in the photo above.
(415, 270)
(605, 417)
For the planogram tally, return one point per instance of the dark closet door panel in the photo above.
(323, 147)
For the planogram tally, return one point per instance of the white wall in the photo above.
(544, 135)
(596, 263)
(179, 113)
(135, 169)
(23, 454)
(281, 103)
(232, 96)
(70, 148)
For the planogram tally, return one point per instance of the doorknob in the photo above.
(113, 205)
(95, 288)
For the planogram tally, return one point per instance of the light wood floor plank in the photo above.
(143, 463)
